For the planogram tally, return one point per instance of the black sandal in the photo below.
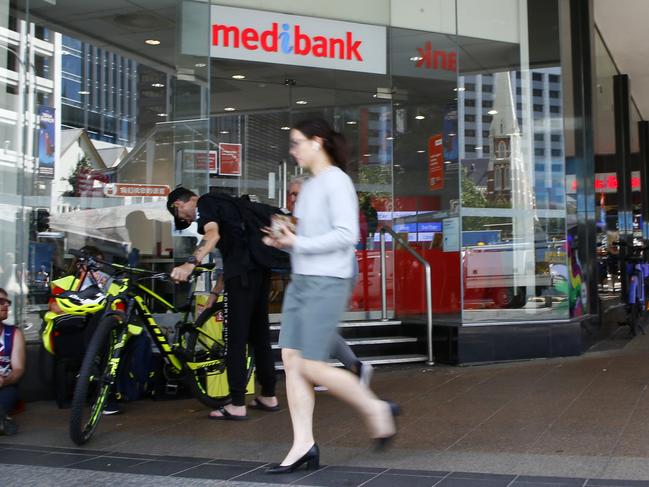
(226, 415)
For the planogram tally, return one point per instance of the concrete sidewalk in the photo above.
(584, 417)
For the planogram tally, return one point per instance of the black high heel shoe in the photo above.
(382, 443)
(311, 458)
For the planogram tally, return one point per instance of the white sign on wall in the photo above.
(269, 37)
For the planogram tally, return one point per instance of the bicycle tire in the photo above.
(94, 382)
(197, 349)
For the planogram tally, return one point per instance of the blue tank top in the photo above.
(6, 345)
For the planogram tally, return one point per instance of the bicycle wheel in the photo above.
(201, 347)
(94, 382)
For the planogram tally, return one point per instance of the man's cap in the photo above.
(182, 194)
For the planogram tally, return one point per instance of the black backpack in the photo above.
(255, 216)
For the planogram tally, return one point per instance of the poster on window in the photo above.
(435, 162)
(230, 159)
(46, 146)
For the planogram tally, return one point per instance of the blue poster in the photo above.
(46, 146)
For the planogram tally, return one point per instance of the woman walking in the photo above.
(322, 254)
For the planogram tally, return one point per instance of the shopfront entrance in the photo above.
(453, 113)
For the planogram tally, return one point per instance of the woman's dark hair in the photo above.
(2, 291)
(333, 142)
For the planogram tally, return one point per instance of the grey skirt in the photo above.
(312, 309)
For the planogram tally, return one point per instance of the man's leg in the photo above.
(343, 352)
(8, 400)
(237, 315)
(260, 339)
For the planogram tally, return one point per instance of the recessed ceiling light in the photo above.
(461, 88)
(285, 127)
(152, 42)
(200, 65)
(451, 135)
(351, 122)
(420, 117)
(229, 109)
(447, 162)
(367, 155)
(301, 102)
(162, 114)
(478, 147)
(238, 76)
(420, 152)
(84, 92)
(492, 112)
(416, 58)
(224, 132)
(157, 85)
(389, 138)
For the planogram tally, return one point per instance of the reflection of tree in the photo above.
(375, 175)
(474, 197)
(80, 173)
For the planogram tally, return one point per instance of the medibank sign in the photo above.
(268, 37)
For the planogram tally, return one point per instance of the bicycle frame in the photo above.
(135, 305)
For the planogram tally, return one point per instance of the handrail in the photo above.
(428, 278)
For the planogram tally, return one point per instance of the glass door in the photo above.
(253, 106)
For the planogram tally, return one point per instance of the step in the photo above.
(353, 324)
(372, 341)
(378, 360)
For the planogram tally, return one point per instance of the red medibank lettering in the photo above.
(303, 44)
(436, 59)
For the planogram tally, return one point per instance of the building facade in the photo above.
(470, 125)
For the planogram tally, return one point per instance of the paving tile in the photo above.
(338, 476)
(22, 457)
(563, 481)
(481, 476)
(211, 471)
(260, 475)
(476, 482)
(166, 468)
(423, 473)
(616, 483)
(106, 464)
(392, 480)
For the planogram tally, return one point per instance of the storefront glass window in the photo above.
(514, 248)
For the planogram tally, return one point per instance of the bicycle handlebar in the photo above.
(93, 262)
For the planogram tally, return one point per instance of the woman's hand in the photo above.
(279, 237)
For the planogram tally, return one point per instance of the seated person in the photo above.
(12, 366)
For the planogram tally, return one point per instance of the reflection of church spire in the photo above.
(502, 131)
(512, 176)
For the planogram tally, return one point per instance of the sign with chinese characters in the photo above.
(121, 190)
(435, 162)
(270, 37)
(229, 159)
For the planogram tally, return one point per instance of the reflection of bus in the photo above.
(502, 272)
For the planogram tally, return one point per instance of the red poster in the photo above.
(230, 159)
(435, 162)
(205, 160)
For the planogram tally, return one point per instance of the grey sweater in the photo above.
(327, 228)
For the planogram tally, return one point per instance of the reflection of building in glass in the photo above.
(99, 92)
(477, 101)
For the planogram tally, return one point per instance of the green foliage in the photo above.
(83, 167)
